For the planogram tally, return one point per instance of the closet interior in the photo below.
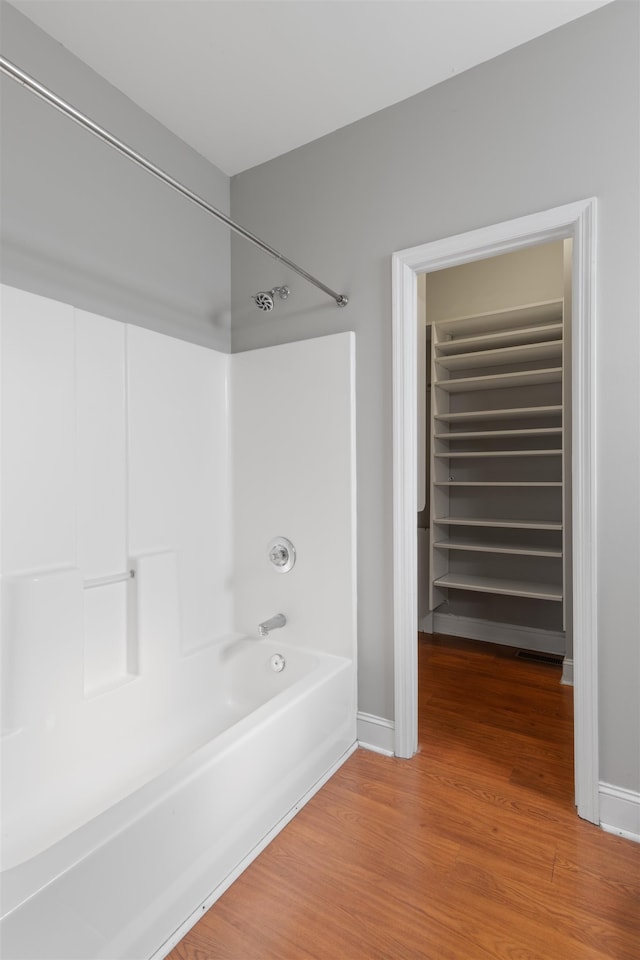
(497, 497)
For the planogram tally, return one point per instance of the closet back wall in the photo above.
(498, 283)
(83, 225)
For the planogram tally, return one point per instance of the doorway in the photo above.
(576, 222)
(494, 501)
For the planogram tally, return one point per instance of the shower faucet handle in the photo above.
(279, 555)
(282, 554)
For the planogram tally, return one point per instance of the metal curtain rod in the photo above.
(51, 98)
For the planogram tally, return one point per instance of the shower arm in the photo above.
(53, 100)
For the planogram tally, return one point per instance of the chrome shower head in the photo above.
(264, 299)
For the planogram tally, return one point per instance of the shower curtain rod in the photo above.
(51, 98)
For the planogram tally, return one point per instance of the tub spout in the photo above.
(278, 621)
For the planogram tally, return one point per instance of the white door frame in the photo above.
(576, 221)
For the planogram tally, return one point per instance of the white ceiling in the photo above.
(243, 81)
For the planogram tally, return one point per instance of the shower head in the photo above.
(264, 299)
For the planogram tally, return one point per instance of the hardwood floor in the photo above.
(470, 851)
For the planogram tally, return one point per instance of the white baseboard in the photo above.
(507, 634)
(567, 672)
(376, 733)
(620, 811)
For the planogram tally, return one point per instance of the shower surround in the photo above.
(142, 480)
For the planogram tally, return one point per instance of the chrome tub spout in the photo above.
(272, 624)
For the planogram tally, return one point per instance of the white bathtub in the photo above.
(130, 881)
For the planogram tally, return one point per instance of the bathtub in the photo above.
(130, 881)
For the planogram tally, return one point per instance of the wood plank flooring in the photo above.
(470, 851)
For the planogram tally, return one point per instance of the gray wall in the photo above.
(553, 121)
(84, 225)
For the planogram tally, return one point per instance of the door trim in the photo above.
(578, 222)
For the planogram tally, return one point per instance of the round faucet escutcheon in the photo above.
(282, 554)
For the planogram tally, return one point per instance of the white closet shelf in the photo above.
(508, 524)
(509, 413)
(506, 351)
(522, 353)
(517, 318)
(489, 434)
(498, 381)
(473, 454)
(510, 588)
(521, 550)
(551, 331)
(497, 483)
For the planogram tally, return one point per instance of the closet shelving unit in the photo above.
(497, 460)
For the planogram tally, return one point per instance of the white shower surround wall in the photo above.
(126, 449)
(293, 433)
